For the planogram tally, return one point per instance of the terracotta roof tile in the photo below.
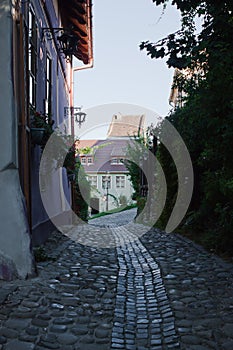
(105, 150)
(126, 125)
(86, 143)
(78, 14)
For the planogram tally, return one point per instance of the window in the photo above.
(48, 86)
(93, 180)
(120, 181)
(32, 56)
(89, 160)
(116, 161)
(83, 160)
(106, 182)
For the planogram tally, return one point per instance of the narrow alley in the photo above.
(124, 291)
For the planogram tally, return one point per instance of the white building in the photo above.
(103, 161)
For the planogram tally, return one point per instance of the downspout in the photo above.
(87, 66)
(75, 69)
(71, 103)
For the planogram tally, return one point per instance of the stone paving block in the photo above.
(19, 345)
(40, 323)
(154, 292)
(8, 333)
(67, 339)
(16, 324)
(5, 290)
(27, 338)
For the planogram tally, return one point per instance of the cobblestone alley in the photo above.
(113, 285)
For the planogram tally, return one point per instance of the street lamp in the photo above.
(68, 43)
(107, 182)
(80, 116)
(75, 112)
(67, 40)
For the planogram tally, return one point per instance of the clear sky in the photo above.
(122, 73)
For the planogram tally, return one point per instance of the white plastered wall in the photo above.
(15, 254)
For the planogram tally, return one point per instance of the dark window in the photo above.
(120, 181)
(48, 87)
(106, 182)
(32, 56)
(89, 160)
(93, 180)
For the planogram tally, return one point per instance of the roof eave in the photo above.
(78, 15)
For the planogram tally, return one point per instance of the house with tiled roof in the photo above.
(124, 126)
(103, 161)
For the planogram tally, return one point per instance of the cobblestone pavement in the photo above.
(151, 291)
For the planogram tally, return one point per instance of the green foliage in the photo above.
(170, 172)
(123, 200)
(206, 135)
(38, 120)
(206, 121)
(113, 211)
(70, 162)
(91, 150)
(85, 150)
(40, 254)
(134, 151)
(141, 202)
(82, 185)
(63, 150)
(114, 199)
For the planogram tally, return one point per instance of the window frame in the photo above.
(93, 183)
(122, 180)
(91, 160)
(102, 182)
(32, 57)
(48, 86)
(116, 161)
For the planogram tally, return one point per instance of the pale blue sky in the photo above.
(122, 73)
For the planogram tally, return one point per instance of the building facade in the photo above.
(106, 172)
(103, 161)
(36, 80)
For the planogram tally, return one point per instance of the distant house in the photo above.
(177, 93)
(124, 126)
(103, 161)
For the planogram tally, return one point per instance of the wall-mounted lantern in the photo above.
(76, 113)
(67, 40)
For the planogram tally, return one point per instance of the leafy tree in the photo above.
(81, 186)
(136, 151)
(206, 120)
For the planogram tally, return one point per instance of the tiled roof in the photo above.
(126, 125)
(78, 14)
(105, 150)
(119, 151)
(86, 143)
